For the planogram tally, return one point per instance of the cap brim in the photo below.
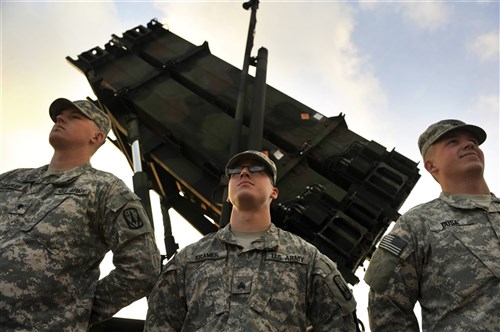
(245, 156)
(60, 105)
(476, 131)
(250, 156)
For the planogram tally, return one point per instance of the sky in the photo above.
(392, 68)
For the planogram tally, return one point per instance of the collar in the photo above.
(38, 175)
(469, 201)
(268, 241)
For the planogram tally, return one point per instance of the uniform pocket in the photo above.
(476, 268)
(61, 224)
(206, 296)
(20, 207)
(483, 252)
(280, 293)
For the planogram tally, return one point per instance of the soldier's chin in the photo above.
(246, 200)
(56, 139)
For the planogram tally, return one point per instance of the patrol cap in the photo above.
(254, 156)
(86, 107)
(439, 129)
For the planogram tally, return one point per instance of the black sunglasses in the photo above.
(251, 169)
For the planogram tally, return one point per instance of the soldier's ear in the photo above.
(274, 193)
(98, 138)
(430, 166)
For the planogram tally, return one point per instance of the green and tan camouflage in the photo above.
(257, 156)
(55, 229)
(437, 130)
(91, 111)
(279, 283)
(443, 254)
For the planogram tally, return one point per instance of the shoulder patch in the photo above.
(342, 286)
(393, 244)
(133, 218)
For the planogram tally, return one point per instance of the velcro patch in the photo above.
(132, 218)
(450, 223)
(342, 286)
(72, 191)
(393, 244)
(10, 185)
(207, 255)
(241, 285)
(283, 257)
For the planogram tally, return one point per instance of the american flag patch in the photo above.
(393, 244)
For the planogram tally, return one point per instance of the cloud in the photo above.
(485, 113)
(36, 38)
(428, 16)
(301, 51)
(488, 104)
(322, 51)
(486, 46)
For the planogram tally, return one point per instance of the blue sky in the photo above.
(392, 68)
(435, 60)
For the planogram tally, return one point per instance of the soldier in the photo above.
(444, 253)
(250, 275)
(58, 221)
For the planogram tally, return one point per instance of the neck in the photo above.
(68, 159)
(250, 221)
(466, 186)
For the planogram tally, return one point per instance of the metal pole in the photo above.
(170, 245)
(259, 102)
(240, 103)
(140, 178)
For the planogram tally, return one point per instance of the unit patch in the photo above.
(132, 218)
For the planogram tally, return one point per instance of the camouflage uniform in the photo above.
(54, 232)
(445, 255)
(277, 284)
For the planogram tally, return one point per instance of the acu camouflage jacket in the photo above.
(279, 283)
(54, 232)
(445, 254)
